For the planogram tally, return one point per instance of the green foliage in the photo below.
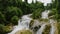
(37, 13)
(2, 18)
(9, 13)
(14, 11)
(14, 20)
(53, 13)
(1, 28)
(55, 10)
(4, 29)
(49, 6)
(10, 8)
(54, 4)
(37, 10)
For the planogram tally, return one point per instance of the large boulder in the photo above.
(24, 32)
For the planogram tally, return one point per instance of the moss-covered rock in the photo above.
(24, 32)
(58, 27)
(57, 30)
(47, 29)
(31, 23)
(5, 29)
(45, 20)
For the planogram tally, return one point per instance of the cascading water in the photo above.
(25, 21)
(45, 14)
(52, 30)
(22, 24)
(41, 29)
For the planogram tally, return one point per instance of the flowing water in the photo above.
(41, 29)
(52, 30)
(45, 14)
(22, 24)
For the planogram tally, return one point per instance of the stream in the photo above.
(24, 22)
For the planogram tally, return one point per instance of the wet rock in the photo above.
(36, 28)
(47, 29)
(24, 32)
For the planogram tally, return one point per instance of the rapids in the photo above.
(24, 22)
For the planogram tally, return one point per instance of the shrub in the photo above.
(4, 29)
(14, 20)
(37, 13)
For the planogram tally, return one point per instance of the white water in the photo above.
(52, 30)
(45, 14)
(25, 21)
(22, 24)
(41, 29)
(36, 23)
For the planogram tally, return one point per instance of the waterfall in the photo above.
(52, 30)
(41, 29)
(22, 24)
(45, 14)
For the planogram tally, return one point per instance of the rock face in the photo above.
(24, 32)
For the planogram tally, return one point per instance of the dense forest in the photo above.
(12, 10)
